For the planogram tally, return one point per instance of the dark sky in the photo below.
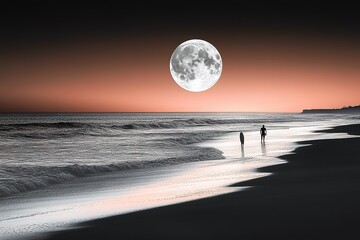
(33, 21)
(71, 56)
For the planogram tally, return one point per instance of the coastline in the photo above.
(314, 195)
(57, 207)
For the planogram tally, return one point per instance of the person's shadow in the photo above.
(263, 148)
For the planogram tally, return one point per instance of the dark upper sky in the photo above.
(33, 21)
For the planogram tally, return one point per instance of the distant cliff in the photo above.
(346, 110)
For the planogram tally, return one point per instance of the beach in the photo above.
(315, 195)
(60, 170)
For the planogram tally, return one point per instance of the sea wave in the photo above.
(73, 129)
(155, 124)
(142, 125)
(48, 130)
(178, 123)
(26, 177)
(35, 177)
(12, 126)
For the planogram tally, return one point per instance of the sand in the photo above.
(316, 195)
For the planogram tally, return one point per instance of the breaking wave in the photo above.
(22, 178)
(191, 122)
(34, 177)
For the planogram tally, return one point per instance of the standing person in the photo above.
(263, 133)
(242, 139)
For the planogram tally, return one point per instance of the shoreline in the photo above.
(314, 195)
(100, 196)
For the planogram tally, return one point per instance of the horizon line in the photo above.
(51, 112)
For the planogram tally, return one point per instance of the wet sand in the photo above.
(316, 195)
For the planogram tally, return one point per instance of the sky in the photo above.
(104, 57)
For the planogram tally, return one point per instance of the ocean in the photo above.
(43, 155)
(38, 150)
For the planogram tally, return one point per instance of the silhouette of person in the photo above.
(263, 133)
(242, 139)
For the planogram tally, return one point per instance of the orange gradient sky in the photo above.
(96, 59)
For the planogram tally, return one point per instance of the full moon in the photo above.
(196, 65)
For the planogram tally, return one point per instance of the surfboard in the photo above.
(242, 140)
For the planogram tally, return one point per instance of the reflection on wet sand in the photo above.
(263, 148)
(242, 151)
